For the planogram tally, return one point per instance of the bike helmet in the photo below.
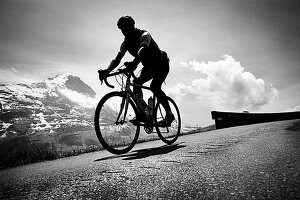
(125, 22)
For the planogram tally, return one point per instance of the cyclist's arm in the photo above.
(144, 44)
(115, 62)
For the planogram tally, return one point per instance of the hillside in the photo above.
(49, 106)
(46, 119)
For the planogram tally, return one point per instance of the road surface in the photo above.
(259, 161)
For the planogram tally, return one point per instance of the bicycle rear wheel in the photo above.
(168, 134)
(114, 131)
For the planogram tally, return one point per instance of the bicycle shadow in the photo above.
(147, 152)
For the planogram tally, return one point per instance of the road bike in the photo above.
(116, 110)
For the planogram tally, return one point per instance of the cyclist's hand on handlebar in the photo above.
(130, 66)
(103, 74)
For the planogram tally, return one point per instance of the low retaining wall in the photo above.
(229, 119)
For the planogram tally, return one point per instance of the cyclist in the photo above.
(144, 49)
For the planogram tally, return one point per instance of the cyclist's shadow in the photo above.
(144, 153)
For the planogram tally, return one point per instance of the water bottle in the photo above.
(150, 105)
(141, 101)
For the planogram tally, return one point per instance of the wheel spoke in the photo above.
(115, 137)
(168, 134)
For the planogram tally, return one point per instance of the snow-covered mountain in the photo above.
(59, 104)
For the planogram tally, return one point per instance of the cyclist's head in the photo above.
(126, 24)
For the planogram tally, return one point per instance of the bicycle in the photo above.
(116, 109)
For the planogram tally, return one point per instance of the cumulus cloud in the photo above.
(80, 99)
(226, 86)
(294, 109)
(184, 64)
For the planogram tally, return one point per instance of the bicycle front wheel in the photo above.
(168, 134)
(113, 128)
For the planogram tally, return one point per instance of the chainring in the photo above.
(148, 129)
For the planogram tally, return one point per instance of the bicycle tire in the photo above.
(116, 138)
(168, 134)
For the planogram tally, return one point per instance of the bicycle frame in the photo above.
(129, 94)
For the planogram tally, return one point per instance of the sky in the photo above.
(225, 55)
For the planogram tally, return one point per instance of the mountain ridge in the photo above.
(47, 106)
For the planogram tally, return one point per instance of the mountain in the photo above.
(59, 104)
(70, 82)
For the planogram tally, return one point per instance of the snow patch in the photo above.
(21, 91)
(3, 127)
(43, 125)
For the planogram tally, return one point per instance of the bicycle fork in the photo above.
(124, 104)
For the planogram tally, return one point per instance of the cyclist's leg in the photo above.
(143, 78)
(158, 79)
(156, 89)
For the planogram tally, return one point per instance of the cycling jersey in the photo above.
(153, 56)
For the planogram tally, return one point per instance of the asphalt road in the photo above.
(259, 161)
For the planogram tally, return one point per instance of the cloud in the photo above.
(184, 64)
(12, 75)
(294, 109)
(80, 99)
(226, 86)
(14, 70)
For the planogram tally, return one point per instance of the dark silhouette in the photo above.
(230, 119)
(141, 45)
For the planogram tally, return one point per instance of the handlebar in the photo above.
(109, 85)
(120, 71)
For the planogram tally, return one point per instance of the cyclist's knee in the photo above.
(137, 81)
(154, 89)
(157, 90)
